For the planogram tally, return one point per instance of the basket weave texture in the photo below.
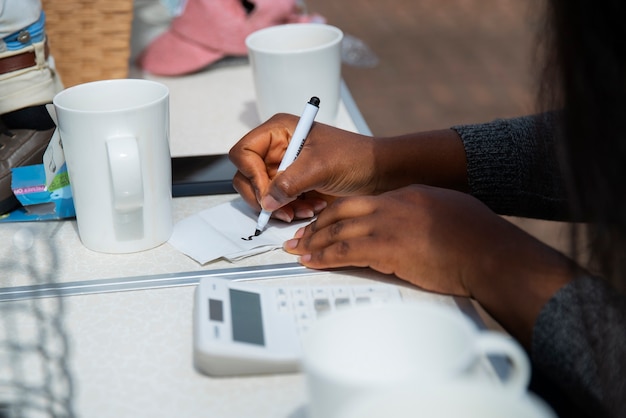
(89, 39)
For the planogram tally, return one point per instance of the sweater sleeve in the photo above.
(579, 346)
(512, 166)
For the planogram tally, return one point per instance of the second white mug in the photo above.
(362, 351)
(292, 63)
(453, 399)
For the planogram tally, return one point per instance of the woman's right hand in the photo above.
(333, 162)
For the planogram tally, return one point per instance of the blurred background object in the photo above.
(439, 62)
(35, 380)
(89, 39)
(410, 65)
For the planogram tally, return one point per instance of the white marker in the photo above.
(293, 150)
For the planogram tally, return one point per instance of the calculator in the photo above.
(243, 328)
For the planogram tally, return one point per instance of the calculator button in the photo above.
(320, 292)
(369, 290)
(304, 321)
(375, 294)
(321, 305)
(299, 292)
(300, 304)
(281, 292)
(341, 292)
(363, 300)
(283, 306)
(303, 317)
(342, 302)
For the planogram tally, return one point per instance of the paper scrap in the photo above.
(221, 232)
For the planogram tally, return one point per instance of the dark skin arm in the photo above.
(437, 238)
(335, 162)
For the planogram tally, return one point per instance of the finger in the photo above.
(267, 143)
(286, 187)
(307, 206)
(358, 252)
(305, 174)
(343, 208)
(344, 230)
(258, 154)
(298, 209)
(251, 165)
(345, 219)
(287, 213)
(304, 208)
(243, 186)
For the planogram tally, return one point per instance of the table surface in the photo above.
(131, 351)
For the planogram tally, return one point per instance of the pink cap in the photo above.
(209, 30)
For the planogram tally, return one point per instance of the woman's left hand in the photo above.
(438, 239)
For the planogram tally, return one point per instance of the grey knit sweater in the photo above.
(579, 340)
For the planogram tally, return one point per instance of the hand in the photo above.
(332, 162)
(440, 240)
(410, 232)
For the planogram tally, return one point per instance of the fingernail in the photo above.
(282, 215)
(269, 203)
(299, 233)
(305, 258)
(291, 244)
(318, 206)
(304, 213)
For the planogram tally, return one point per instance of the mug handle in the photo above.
(491, 342)
(125, 171)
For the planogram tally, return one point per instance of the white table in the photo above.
(128, 317)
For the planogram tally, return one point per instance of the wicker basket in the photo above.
(89, 39)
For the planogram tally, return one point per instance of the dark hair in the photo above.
(584, 73)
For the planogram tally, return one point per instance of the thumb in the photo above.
(287, 186)
(281, 191)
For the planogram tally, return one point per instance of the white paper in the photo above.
(220, 232)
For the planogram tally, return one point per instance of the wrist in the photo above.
(519, 282)
(435, 158)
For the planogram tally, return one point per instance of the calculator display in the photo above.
(246, 317)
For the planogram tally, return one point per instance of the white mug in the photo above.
(452, 399)
(292, 63)
(358, 352)
(115, 136)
